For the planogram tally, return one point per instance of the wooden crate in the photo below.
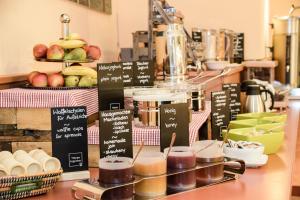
(34, 119)
(8, 116)
(39, 118)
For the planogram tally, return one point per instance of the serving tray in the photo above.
(92, 190)
(27, 86)
(64, 61)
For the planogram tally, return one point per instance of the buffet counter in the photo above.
(272, 181)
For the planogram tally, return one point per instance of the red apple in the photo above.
(94, 52)
(55, 52)
(86, 48)
(31, 75)
(40, 80)
(40, 51)
(56, 80)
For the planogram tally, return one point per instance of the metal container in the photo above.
(147, 104)
(209, 38)
(194, 91)
(128, 97)
(286, 49)
(198, 100)
(176, 46)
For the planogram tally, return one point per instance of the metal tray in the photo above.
(64, 61)
(92, 190)
(27, 86)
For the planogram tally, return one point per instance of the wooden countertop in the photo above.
(272, 181)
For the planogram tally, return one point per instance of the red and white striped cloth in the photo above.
(30, 98)
(151, 135)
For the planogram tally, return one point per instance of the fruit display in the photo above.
(74, 48)
(74, 76)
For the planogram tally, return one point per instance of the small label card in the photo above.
(220, 113)
(128, 73)
(69, 137)
(115, 130)
(235, 99)
(174, 118)
(110, 86)
(143, 73)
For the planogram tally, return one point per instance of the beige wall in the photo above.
(240, 15)
(27, 22)
(24, 23)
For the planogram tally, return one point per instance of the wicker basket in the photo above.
(27, 186)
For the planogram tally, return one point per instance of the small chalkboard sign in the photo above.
(115, 128)
(197, 36)
(174, 118)
(110, 86)
(128, 73)
(143, 73)
(239, 48)
(69, 137)
(220, 113)
(234, 99)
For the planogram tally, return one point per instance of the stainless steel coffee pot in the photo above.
(254, 102)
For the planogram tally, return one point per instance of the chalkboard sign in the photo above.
(128, 73)
(197, 36)
(110, 86)
(174, 118)
(234, 99)
(115, 128)
(69, 137)
(143, 73)
(220, 113)
(239, 48)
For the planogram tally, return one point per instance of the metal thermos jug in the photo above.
(254, 102)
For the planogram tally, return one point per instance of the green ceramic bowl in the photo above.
(271, 140)
(248, 123)
(256, 115)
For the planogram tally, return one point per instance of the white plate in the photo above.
(254, 163)
(216, 65)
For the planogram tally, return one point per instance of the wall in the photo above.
(24, 23)
(240, 15)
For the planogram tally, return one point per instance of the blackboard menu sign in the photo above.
(197, 36)
(110, 86)
(174, 118)
(220, 113)
(69, 137)
(239, 48)
(115, 128)
(234, 99)
(128, 73)
(143, 73)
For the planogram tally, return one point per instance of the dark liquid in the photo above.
(209, 175)
(117, 176)
(184, 162)
(110, 178)
(183, 181)
(121, 193)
